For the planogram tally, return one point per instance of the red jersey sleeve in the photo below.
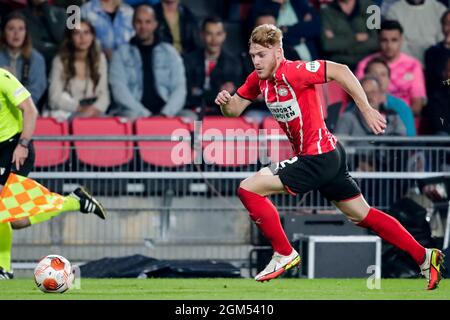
(250, 89)
(308, 73)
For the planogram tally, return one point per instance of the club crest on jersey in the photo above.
(283, 92)
(312, 66)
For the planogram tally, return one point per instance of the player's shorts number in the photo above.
(283, 163)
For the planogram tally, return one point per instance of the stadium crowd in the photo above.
(171, 58)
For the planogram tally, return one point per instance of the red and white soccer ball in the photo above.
(53, 273)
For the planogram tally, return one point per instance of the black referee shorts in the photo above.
(325, 172)
(6, 153)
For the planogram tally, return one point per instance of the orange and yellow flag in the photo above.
(23, 198)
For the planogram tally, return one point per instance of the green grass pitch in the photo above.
(230, 289)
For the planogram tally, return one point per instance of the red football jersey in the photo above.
(291, 98)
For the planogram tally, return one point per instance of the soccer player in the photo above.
(320, 161)
(23, 202)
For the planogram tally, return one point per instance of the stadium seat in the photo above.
(329, 94)
(160, 153)
(101, 153)
(229, 153)
(334, 93)
(334, 112)
(51, 153)
(276, 153)
(321, 98)
(333, 100)
(165, 155)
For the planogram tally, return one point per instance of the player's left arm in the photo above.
(343, 75)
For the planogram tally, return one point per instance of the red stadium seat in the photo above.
(321, 98)
(51, 153)
(277, 150)
(101, 153)
(164, 153)
(333, 100)
(334, 93)
(229, 153)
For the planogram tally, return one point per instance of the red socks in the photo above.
(266, 217)
(390, 230)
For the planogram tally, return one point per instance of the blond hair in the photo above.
(267, 35)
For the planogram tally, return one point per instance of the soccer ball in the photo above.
(53, 273)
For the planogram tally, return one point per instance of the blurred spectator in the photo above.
(66, 3)
(211, 69)
(407, 78)
(46, 25)
(438, 108)
(299, 21)
(14, 4)
(419, 19)
(378, 67)
(79, 76)
(237, 11)
(289, 51)
(8, 6)
(386, 6)
(147, 76)
(177, 25)
(436, 57)
(135, 3)
(352, 122)
(370, 156)
(319, 3)
(18, 56)
(112, 21)
(344, 35)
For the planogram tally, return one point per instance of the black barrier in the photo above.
(145, 267)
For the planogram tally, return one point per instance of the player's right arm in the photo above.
(234, 105)
(231, 105)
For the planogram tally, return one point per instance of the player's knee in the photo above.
(249, 186)
(355, 216)
(246, 184)
(20, 224)
(355, 219)
(239, 192)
